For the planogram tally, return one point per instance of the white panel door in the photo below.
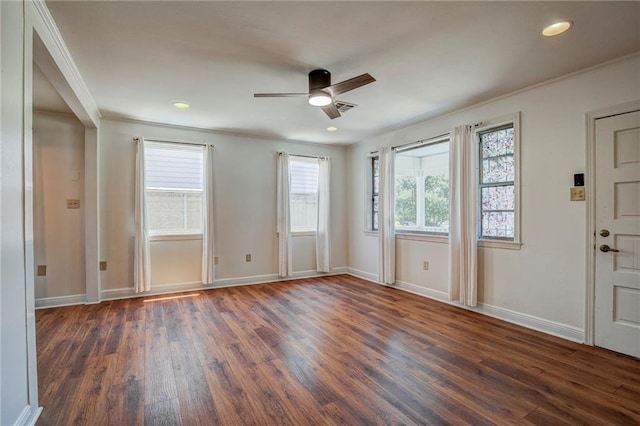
(617, 250)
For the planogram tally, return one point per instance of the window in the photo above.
(422, 188)
(173, 179)
(303, 197)
(374, 184)
(497, 188)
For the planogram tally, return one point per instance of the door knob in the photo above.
(605, 248)
(604, 232)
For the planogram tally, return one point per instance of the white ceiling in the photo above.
(428, 58)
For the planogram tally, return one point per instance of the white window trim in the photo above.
(499, 244)
(425, 235)
(516, 243)
(175, 237)
(163, 235)
(368, 194)
(309, 233)
(301, 232)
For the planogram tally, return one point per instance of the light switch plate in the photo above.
(577, 193)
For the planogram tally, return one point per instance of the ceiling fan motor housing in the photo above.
(319, 79)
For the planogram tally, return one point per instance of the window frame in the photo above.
(183, 234)
(511, 120)
(302, 232)
(418, 234)
(370, 192)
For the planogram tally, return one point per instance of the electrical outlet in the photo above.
(425, 265)
(42, 270)
(577, 193)
(215, 260)
(103, 265)
(73, 204)
(248, 257)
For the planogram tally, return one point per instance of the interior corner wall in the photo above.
(58, 163)
(245, 210)
(544, 282)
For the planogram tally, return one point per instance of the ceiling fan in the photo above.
(321, 91)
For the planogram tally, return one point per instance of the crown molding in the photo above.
(47, 30)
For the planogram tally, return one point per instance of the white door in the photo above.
(617, 250)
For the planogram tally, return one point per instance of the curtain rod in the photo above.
(434, 138)
(306, 156)
(176, 142)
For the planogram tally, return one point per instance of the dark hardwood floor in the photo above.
(334, 350)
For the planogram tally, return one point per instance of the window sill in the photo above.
(429, 238)
(175, 237)
(509, 245)
(303, 233)
(444, 239)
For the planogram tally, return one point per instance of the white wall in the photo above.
(245, 209)
(13, 357)
(58, 151)
(542, 284)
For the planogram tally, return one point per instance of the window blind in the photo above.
(304, 175)
(171, 166)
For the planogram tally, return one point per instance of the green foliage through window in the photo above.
(422, 188)
(406, 201)
(436, 204)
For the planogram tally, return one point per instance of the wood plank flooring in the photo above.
(327, 351)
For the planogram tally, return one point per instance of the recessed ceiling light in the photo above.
(332, 129)
(181, 105)
(557, 28)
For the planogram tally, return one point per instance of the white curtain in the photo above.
(463, 217)
(285, 268)
(323, 244)
(141, 259)
(386, 219)
(208, 264)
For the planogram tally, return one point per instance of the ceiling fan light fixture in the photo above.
(319, 98)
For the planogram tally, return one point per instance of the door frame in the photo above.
(590, 182)
(42, 43)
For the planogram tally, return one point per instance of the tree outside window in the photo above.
(422, 189)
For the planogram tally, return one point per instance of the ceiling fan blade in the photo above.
(331, 110)
(352, 83)
(278, 95)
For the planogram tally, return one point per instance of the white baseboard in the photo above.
(364, 275)
(28, 416)
(126, 293)
(422, 291)
(58, 301)
(529, 321)
(261, 279)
